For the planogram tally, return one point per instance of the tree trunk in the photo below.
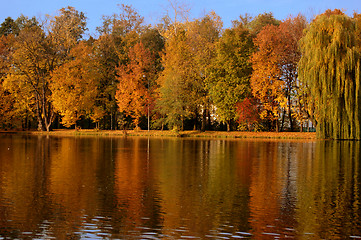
(195, 122)
(209, 126)
(204, 120)
(228, 122)
(283, 119)
(290, 113)
(111, 121)
(277, 127)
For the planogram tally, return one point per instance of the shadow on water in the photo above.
(131, 188)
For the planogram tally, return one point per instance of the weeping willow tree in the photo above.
(330, 69)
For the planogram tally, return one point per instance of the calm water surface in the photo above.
(139, 188)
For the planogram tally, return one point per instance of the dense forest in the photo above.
(261, 74)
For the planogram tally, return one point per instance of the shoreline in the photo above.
(169, 133)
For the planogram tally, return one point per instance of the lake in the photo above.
(178, 188)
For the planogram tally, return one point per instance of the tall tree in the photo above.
(230, 73)
(256, 24)
(133, 93)
(190, 48)
(7, 111)
(274, 80)
(28, 79)
(203, 35)
(175, 81)
(266, 83)
(36, 53)
(66, 29)
(330, 68)
(74, 86)
(119, 32)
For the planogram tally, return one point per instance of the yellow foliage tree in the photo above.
(74, 86)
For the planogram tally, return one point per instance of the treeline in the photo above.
(181, 74)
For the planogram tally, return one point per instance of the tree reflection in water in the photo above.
(104, 187)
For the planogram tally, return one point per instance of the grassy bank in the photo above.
(195, 134)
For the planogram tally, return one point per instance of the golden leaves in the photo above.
(74, 85)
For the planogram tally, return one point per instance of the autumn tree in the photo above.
(74, 86)
(330, 68)
(28, 80)
(248, 113)
(118, 33)
(274, 80)
(66, 29)
(175, 84)
(189, 50)
(36, 53)
(133, 93)
(256, 24)
(7, 112)
(203, 35)
(230, 73)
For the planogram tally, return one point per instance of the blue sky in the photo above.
(153, 10)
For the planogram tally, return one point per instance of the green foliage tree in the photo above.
(330, 68)
(256, 24)
(190, 48)
(203, 35)
(175, 84)
(8, 27)
(230, 73)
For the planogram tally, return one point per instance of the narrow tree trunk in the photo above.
(111, 121)
(204, 120)
(283, 120)
(228, 122)
(290, 113)
(38, 113)
(182, 127)
(195, 122)
(208, 127)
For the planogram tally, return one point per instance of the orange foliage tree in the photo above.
(133, 92)
(248, 113)
(274, 79)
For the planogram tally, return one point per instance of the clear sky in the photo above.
(153, 10)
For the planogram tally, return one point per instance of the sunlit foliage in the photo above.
(330, 67)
